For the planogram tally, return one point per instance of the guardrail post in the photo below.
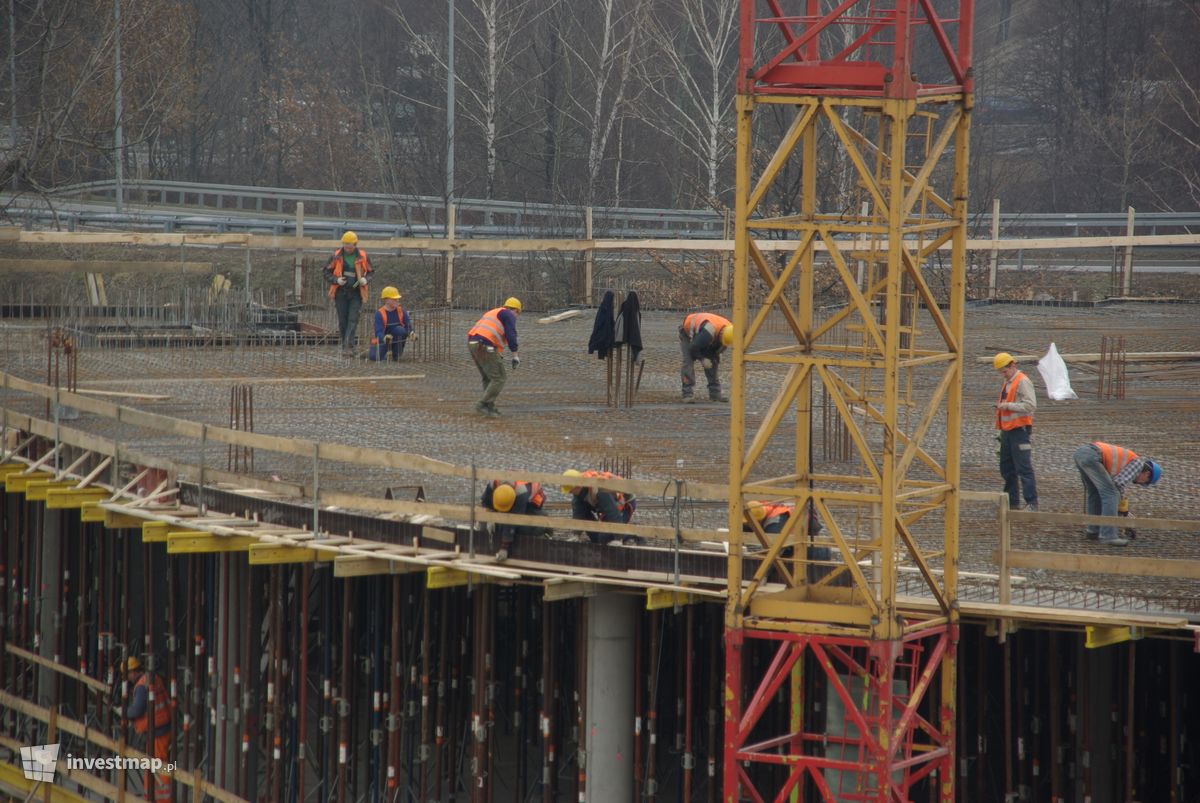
(450, 210)
(588, 257)
(995, 256)
(298, 260)
(1005, 582)
(1127, 274)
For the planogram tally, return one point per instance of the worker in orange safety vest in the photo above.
(703, 336)
(1014, 420)
(1107, 470)
(486, 340)
(150, 710)
(600, 504)
(348, 272)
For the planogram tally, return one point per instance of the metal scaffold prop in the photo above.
(870, 692)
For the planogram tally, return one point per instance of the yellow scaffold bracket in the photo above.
(1106, 636)
(91, 511)
(189, 542)
(660, 598)
(444, 577)
(32, 485)
(121, 521)
(9, 469)
(155, 532)
(274, 554)
(73, 498)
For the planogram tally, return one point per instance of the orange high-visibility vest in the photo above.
(490, 328)
(607, 475)
(361, 269)
(693, 323)
(537, 497)
(1010, 419)
(160, 704)
(1114, 458)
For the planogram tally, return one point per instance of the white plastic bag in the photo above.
(1054, 373)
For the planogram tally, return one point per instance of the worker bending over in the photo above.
(148, 704)
(703, 337)
(520, 498)
(1014, 419)
(598, 504)
(1107, 470)
(487, 340)
(772, 517)
(347, 273)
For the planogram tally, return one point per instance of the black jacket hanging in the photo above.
(601, 341)
(631, 319)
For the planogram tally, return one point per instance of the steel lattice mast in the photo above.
(880, 89)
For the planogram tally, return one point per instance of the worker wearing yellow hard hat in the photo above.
(703, 336)
(151, 711)
(519, 498)
(486, 341)
(1014, 420)
(348, 273)
(393, 326)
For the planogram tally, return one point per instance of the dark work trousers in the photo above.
(1016, 462)
(349, 305)
(490, 363)
(695, 348)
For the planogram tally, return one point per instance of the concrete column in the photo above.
(611, 622)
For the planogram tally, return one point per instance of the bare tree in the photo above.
(690, 86)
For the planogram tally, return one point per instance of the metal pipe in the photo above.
(689, 660)
(479, 680)
(547, 716)
(439, 741)
(395, 670)
(302, 682)
(344, 702)
(1130, 717)
(654, 662)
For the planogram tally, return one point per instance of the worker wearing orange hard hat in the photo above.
(1014, 420)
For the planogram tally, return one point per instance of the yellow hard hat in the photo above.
(349, 238)
(503, 498)
(570, 473)
(756, 510)
(389, 292)
(132, 664)
(727, 336)
(1002, 360)
(512, 302)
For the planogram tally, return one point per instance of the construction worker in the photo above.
(520, 498)
(598, 504)
(392, 328)
(1107, 470)
(149, 708)
(348, 272)
(703, 337)
(486, 341)
(1014, 420)
(772, 517)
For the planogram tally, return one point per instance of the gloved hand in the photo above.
(361, 281)
(706, 363)
(118, 712)
(516, 362)
(387, 338)
(341, 280)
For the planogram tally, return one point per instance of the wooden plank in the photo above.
(185, 542)
(276, 554)
(43, 266)
(558, 590)
(1033, 613)
(1110, 563)
(12, 779)
(34, 658)
(561, 316)
(1142, 522)
(362, 566)
(1132, 356)
(124, 394)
